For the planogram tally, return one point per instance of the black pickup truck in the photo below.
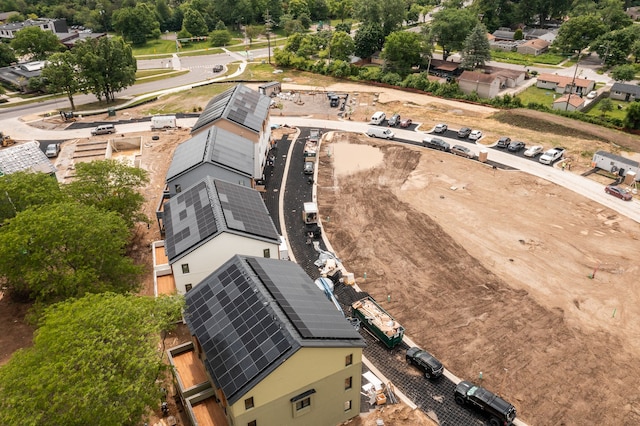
(502, 413)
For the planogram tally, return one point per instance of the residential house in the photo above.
(504, 33)
(25, 157)
(211, 221)
(215, 152)
(625, 92)
(4, 16)
(563, 84)
(568, 102)
(275, 351)
(18, 76)
(244, 112)
(633, 12)
(534, 47)
(485, 85)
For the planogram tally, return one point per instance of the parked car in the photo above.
(592, 94)
(516, 146)
(440, 128)
(334, 101)
(394, 120)
(427, 363)
(551, 155)
(462, 151)
(406, 123)
(378, 117)
(475, 135)
(619, 192)
(308, 167)
(464, 132)
(218, 68)
(53, 149)
(435, 143)
(380, 132)
(533, 151)
(500, 411)
(104, 129)
(503, 142)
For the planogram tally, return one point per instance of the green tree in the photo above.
(106, 66)
(53, 252)
(60, 75)
(136, 24)
(402, 50)
(194, 23)
(476, 51)
(340, 8)
(390, 13)
(450, 28)
(413, 15)
(613, 14)
(605, 106)
(577, 33)
(219, 37)
(7, 55)
(23, 190)
(111, 186)
(298, 8)
(624, 73)
(518, 34)
(342, 46)
(36, 43)
(343, 26)
(164, 14)
(95, 361)
(251, 32)
(632, 119)
(369, 39)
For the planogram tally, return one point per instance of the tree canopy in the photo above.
(94, 361)
(23, 190)
(403, 50)
(36, 43)
(136, 24)
(56, 251)
(59, 75)
(476, 51)
(450, 28)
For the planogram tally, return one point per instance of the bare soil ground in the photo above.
(491, 276)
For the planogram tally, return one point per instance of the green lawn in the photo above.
(539, 96)
(616, 113)
(526, 60)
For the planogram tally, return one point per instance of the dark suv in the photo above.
(430, 366)
(464, 132)
(502, 413)
(436, 143)
(503, 142)
(394, 120)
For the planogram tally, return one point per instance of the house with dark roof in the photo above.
(564, 84)
(504, 33)
(274, 350)
(625, 92)
(215, 152)
(211, 221)
(243, 112)
(9, 30)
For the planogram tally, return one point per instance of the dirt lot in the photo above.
(491, 276)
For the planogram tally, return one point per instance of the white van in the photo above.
(378, 117)
(163, 122)
(104, 129)
(380, 132)
(284, 249)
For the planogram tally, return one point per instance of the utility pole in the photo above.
(573, 81)
(268, 24)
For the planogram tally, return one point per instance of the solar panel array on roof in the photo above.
(188, 154)
(189, 219)
(236, 327)
(244, 210)
(231, 150)
(306, 307)
(214, 109)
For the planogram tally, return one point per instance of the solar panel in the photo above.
(231, 150)
(214, 109)
(313, 316)
(188, 154)
(188, 220)
(241, 334)
(244, 210)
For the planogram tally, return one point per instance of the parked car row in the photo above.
(379, 116)
(440, 145)
(466, 393)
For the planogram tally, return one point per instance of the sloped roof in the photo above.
(252, 314)
(25, 157)
(216, 146)
(479, 77)
(563, 81)
(239, 104)
(574, 100)
(536, 43)
(626, 88)
(503, 34)
(209, 208)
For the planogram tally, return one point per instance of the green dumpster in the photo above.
(112, 112)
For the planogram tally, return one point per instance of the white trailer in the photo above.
(159, 122)
(615, 164)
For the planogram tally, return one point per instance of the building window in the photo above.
(266, 253)
(348, 360)
(252, 423)
(178, 188)
(348, 382)
(347, 405)
(185, 268)
(188, 287)
(248, 403)
(303, 403)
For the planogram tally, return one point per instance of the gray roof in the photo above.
(506, 35)
(619, 158)
(252, 314)
(216, 146)
(209, 208)
(626, 88)
(238, 104)
(26, 157)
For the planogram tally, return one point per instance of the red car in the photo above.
(616, 191)
(406, 123)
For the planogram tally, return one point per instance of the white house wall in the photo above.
(210, 256)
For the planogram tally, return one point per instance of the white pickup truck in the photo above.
(550, 156)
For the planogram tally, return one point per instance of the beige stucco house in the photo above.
(564, 84)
